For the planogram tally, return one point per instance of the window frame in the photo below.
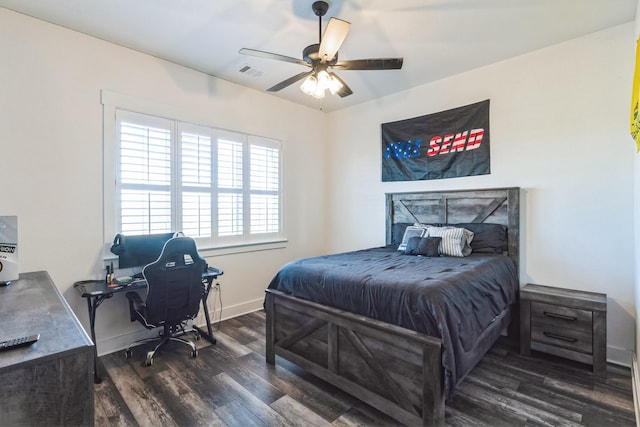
(215, 245)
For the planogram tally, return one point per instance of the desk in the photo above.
(96, 291)
(51, 381)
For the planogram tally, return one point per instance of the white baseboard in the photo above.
(635, 386)
(227, 312)
(119, 342)
(619, 356)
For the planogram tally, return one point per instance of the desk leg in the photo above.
(209, 334)
(92, 304)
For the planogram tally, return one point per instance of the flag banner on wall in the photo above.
(447, 144)
(635, 97)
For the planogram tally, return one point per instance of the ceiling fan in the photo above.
(323, 57)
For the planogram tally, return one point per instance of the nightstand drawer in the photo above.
(562, 337)
(556, 316)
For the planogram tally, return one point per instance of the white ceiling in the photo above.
(436, 38)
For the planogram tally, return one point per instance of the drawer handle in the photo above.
(559, 337)
(560, 316)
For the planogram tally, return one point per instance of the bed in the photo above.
(400, 332)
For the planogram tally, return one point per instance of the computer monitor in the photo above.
(140, 250)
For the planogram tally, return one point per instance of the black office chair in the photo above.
(174, 291)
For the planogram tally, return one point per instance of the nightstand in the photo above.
(566, 323)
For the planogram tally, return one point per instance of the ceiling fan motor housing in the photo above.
(310, 54)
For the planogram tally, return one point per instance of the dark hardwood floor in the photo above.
(230, 384)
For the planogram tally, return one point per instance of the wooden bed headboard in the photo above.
(495, 205)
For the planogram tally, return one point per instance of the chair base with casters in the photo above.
(168, 334)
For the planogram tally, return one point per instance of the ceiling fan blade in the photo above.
(344, 90)
(332, 39)
(370, 64)
(289, 81)
(269, 55)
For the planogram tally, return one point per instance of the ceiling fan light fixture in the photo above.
(316, 84)
(324, 81)
(309, 85)
(319, 92)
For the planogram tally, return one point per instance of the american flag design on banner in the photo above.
(448, 144)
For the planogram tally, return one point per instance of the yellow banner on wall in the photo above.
(635, 99)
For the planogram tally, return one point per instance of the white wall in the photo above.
(559, 130)
(51, 158)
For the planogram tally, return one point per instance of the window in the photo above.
(220, 187)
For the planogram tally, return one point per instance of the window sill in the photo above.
(241, 248)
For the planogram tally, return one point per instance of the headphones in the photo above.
(118, 246)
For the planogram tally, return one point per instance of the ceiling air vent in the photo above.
(250, 71)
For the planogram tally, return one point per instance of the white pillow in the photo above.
(455, 241)
(409, 232)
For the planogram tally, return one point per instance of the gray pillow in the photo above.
(425, 246)
(487, 237)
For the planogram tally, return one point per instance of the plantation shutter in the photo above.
(196, 180)
(144, 174)
(265, 185)
(230, 184)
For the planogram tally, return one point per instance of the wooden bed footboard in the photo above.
(394, 369)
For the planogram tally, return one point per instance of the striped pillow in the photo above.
(455, 241)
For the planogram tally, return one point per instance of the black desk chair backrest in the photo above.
(174, 283)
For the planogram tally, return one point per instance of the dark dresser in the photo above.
(51, 381)
(566, 323)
